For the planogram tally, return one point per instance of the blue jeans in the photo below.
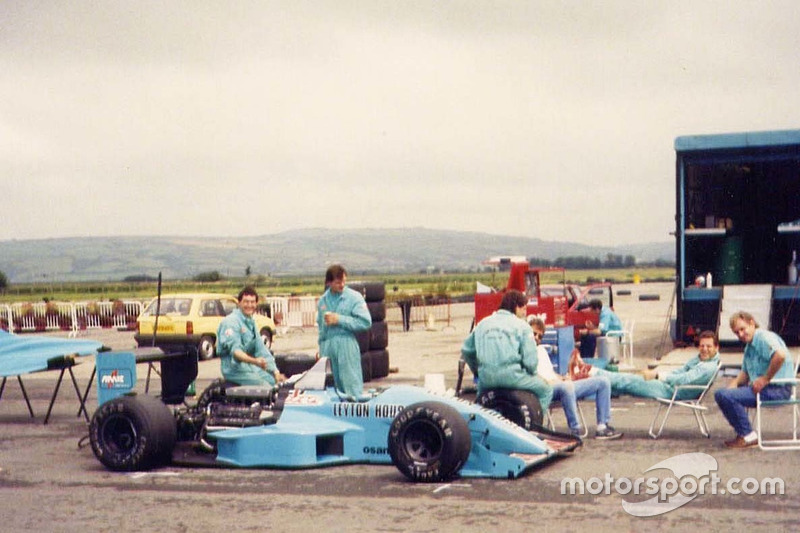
(733, 403)
(569, 392)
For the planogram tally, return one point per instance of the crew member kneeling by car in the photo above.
(244, 358)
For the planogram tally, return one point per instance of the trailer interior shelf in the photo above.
(795, 228)
(710, 232)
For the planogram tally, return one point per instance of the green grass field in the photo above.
(397, 285)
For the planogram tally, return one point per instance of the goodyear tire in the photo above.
(429, 442)
(205, 348)
(519, 406)
(132, 433)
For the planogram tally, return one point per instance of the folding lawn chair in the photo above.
(793, 402)
(696, 405)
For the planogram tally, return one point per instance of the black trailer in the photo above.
(737, 226)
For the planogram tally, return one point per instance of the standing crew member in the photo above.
(341, 313)
(244, 358)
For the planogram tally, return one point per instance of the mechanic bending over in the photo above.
(568, 392)
(244, 358)
(341, 312)
(501, 351)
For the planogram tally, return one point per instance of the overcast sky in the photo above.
(546, 119)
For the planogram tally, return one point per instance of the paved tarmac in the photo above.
(49, 482)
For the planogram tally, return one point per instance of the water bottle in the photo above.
(709, 282)
(792, 269)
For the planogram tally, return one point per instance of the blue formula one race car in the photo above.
(304, 424)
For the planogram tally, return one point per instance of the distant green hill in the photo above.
(306, 251)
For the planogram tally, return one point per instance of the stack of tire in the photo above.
(373, 342)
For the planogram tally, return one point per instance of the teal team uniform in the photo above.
(694, 372)
(501, 351)
(338, 342)
(608, 321)
(238, 330)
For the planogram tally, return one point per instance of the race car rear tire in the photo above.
(133, 433)
(205, 348)
(519, 406)
(429, 442)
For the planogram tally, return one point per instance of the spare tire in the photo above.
(372, 291)
(132, 433)
(377, 311)
(380, 363)
(519, 406)
(378, 336)
(429, 442)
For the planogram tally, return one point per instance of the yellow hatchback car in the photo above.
(189, 322)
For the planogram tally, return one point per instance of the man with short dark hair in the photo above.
(244, 359)
(501, 351)
(341, 312)
(607, 320)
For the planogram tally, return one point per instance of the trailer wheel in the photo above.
(131, 433)
(519, 406)
(429, 442)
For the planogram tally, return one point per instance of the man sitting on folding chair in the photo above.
(697, 371)
(766, 357)
(568, 392)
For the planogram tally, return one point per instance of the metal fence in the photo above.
(25, 317)
(433, 312)
(293, 311)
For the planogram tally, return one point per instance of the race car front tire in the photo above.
(429, 442)
(133, 433)
(520, 406)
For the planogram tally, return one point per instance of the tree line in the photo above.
(586, 262)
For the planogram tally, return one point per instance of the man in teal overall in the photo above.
(244, 359)
(341, 312)
(501, 351)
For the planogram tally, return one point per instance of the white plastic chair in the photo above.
(626, 342)
(793, 402)
(696, 405)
